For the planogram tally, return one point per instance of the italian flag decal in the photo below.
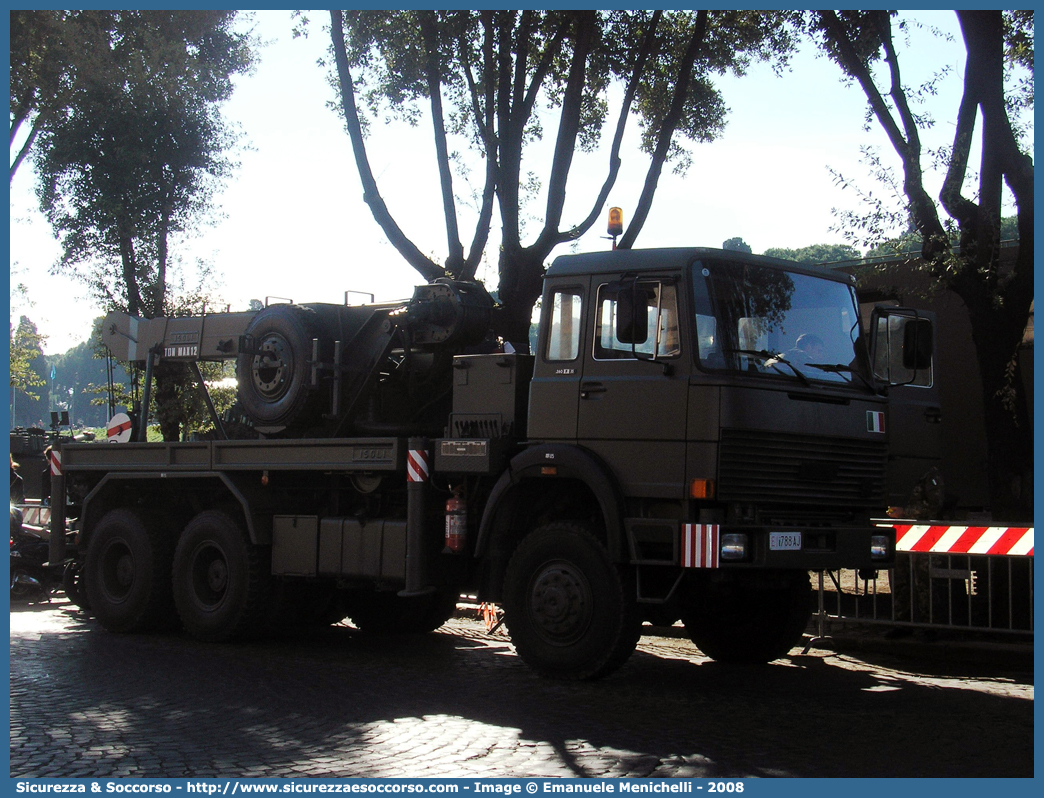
(875, 421)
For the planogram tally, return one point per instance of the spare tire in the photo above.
(275, 379)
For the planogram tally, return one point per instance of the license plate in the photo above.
(785, 541)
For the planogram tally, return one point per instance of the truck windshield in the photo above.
(763, 320)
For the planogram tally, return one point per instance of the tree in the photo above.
(998, 297)
(26, 343)
(138, 152)
(736, 245)
(816, 253)
(46, 50)
(81, 381)
(495, 77)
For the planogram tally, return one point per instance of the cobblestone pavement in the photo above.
(459, 703)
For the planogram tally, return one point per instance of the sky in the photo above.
(293, 224)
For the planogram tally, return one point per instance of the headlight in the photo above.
(879, 547)
(734, 546)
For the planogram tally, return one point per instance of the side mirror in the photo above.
(917, 344)
(901, 346)
(632, 314)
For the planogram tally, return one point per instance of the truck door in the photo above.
(633, 394)
(904, 355)
(555, 389)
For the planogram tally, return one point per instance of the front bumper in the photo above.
(812, 549)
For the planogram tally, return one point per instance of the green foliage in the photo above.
(183, 410)
(136, 153)
(139, 148)
(45, 48)
(736, 245)
(25, 354)
(1018, 46)
(816, 253)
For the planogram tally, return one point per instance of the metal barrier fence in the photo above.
(944, 576)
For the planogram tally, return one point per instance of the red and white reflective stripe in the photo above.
(417, 465)
(55, 458)
(700, 546)
(1005, 540)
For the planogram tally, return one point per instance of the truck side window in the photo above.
(563, 340)
(662, 338)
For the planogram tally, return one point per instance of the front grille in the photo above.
(787, 469)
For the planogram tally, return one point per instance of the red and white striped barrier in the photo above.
(35, 515)
(1000, 540)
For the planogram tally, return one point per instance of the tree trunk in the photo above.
(997, 334)
(22, 153)
(168, 378)
(998, 300)
(521, 281)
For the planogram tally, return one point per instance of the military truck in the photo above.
(696, 431)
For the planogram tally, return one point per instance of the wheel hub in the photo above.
(271, 367)
(209, 576)
(560, 603)
(217, 575)
(125, 571)
(117, 572)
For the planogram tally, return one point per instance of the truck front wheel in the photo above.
(221, 582)
(738, 623)
(567, 605)
(127, 573)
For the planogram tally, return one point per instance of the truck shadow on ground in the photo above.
(337, 702)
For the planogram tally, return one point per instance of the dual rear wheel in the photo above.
(214, 581)
(128, 584)
(218, 584)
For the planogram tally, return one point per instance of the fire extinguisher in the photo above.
(456, 522)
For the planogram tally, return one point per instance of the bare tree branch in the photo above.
(666, 134)
(38, 124)
(956, 205)
(455, 250)
(923, 211)
(371, 196)
(569, 127)
(646, 50)
(547, 58)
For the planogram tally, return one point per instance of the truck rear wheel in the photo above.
(127, 573)
(275, 383)
(567, 606)
(748, 624)
(391, 613)
(221, 581)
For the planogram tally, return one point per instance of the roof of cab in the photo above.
(669, 259)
